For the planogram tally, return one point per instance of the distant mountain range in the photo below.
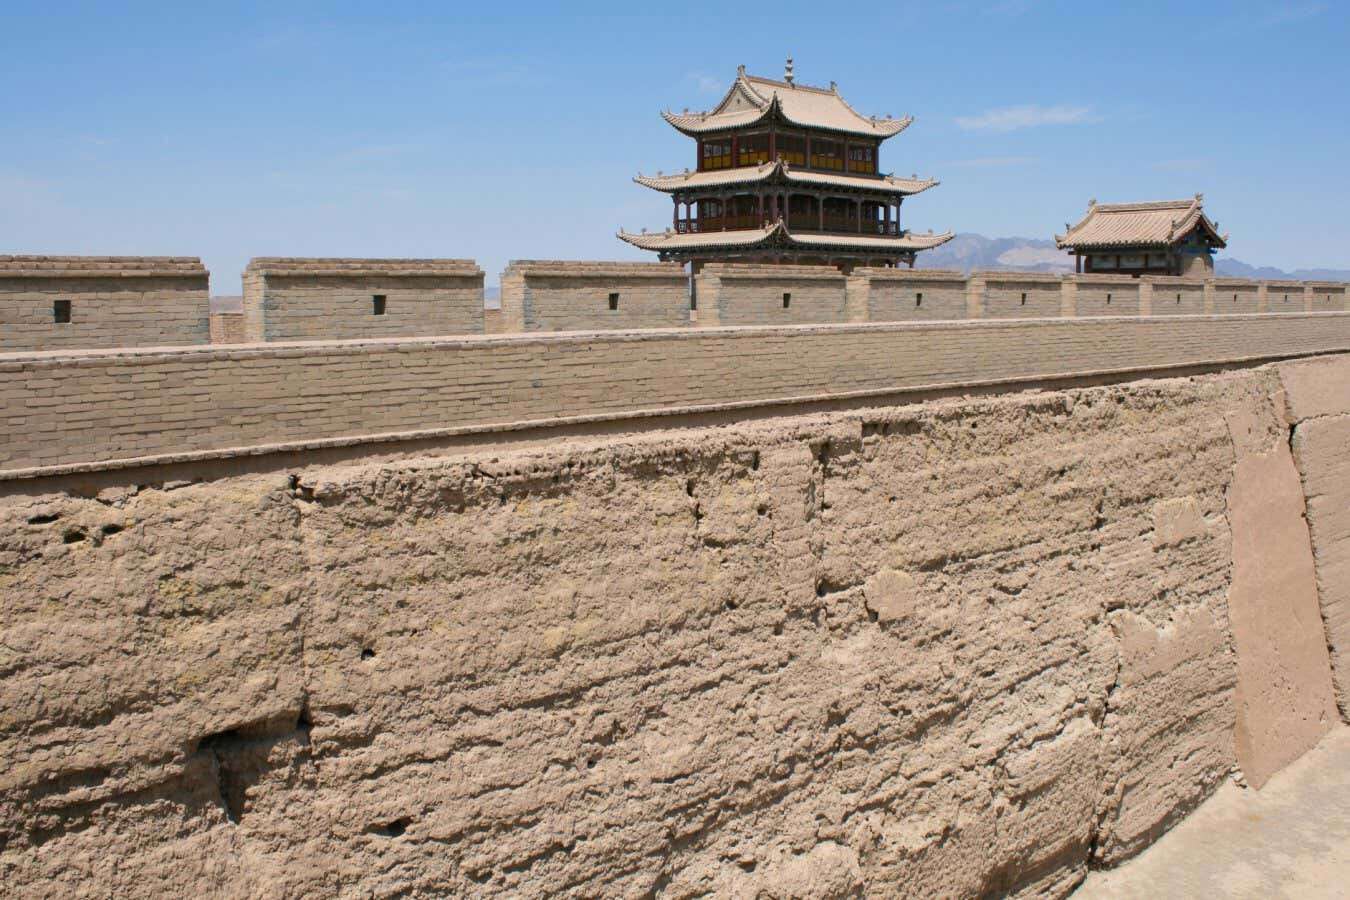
(975, 251)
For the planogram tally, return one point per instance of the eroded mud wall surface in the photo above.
(952, 649)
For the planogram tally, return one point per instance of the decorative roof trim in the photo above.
(1092, 232)
(778, 234)
(770, 107)
(781, 170)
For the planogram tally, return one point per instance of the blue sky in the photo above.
(456, 130)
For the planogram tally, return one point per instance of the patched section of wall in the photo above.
(568, 295)
(69, 302)
(305, 299)
(1318, 394)
(736, 294)
(228, 328)
(1285, 699)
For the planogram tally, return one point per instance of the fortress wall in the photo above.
(295, 299)
(115, 301)
(1016, 295)
(956, 649)
(914, 295)
(557, 295)
(1234, 296)
(1176, 296)
(228, 328)
(1284, 296)
(1326, 296)
(80, 408)
(737, 294)
(1105, 295)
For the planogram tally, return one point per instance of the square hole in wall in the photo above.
(379, 304)
(61, 312)
(614, 300)
(787, 300)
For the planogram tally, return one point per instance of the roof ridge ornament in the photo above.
(787, 71)
(1092, 204)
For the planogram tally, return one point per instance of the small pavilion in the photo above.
(1169, 237)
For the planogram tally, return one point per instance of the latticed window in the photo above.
(792, 148)
(862, 159)
(752, 149)
(827, 155)
(716, 154)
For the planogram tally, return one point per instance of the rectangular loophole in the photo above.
(1024, 299)
(379, 304)
(787, 300)
(614, 300)
(918, 299)
(61, 312)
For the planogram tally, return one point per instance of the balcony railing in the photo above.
(799, 223)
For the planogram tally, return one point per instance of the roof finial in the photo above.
(740, 70)
(787, 70)
(1092, 203)
(1199, 197)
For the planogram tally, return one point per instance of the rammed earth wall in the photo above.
(101, 407)
(113, 301)
(959, 649)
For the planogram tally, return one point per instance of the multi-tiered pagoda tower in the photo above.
(786, 173)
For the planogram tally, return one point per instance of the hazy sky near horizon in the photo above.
(470, 130)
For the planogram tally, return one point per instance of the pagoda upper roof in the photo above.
(1155, 224)
(777, 234)
(752, 100)
(781, 170)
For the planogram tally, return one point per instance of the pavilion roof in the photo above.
(777, 234)
(1157, 224)
(752, 99)
(781, 170)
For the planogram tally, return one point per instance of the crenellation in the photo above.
(68, 302)
(310, 298)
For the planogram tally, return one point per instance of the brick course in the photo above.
(76, 408)
(294, 298)
(115, 301)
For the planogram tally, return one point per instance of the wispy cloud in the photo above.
(1015, 118)
(1182, 165)
(1011, 7)
(1293, 12)
(706, 84)
(990, 162)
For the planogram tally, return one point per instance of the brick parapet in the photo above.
(70, 411)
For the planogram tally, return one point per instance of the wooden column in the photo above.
(820, 209)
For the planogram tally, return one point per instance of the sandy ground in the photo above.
(1290, 839)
